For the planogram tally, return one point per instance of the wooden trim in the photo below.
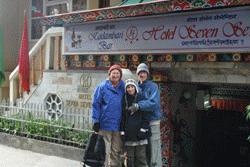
(57, 53)
(42, 61)
(33, 70)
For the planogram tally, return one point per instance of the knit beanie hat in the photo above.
(132, 82)
(115, 67)
(142, 67)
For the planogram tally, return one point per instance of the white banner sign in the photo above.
(220, 30)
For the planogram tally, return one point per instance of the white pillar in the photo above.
(1, 94)
(12, 90)
(47, 53)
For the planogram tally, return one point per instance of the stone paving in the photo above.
(12, 157)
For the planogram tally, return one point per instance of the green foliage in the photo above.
(10, 126)
(58, 130)
(2, 77)
(247, 112)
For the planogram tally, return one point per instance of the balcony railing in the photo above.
(45, 55)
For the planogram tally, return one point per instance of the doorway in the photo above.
(223, 129)
(223, 136)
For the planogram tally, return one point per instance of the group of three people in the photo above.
(128, 114)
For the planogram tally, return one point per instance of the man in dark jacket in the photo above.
(151, 106)
(106, 114)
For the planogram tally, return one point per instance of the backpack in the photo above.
(94, 155)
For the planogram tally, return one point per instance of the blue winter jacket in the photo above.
(107, 105)
(151, 104)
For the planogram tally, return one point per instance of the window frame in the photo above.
(57, 2)
(104, 3)
(72, 5)
(46, 4)
(32, 19)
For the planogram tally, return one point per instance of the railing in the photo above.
(70, 127)
(45, 55)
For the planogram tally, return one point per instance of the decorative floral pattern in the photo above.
(153, 8)
(166, 126)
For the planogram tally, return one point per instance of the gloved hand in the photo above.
(133, 108)
(143, 134)
(96, 127)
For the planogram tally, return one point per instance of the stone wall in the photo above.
(74, 88)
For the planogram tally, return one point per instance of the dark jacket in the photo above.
(135, 126)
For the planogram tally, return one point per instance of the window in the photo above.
(54, 7)
(104, 3)
(79, 5)
(42, 8)
(37, 8)
(36, 13)
(36, 29)
(53, 106)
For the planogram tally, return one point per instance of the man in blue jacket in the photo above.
(151, 105)
(106, 114)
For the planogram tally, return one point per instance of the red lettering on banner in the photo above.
(235, 29)
(191, 32)
(169, 34)
(158, 33)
